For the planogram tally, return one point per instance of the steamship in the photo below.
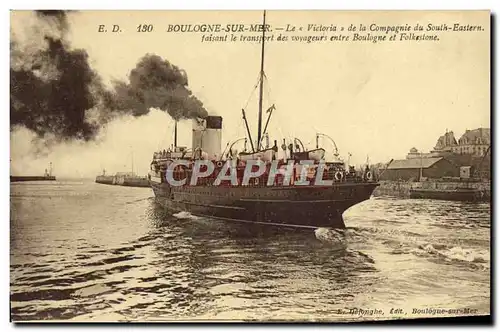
(127, 179)
(284, 203)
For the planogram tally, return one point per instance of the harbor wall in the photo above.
(393, 188)
(32, 178)
(401, 189)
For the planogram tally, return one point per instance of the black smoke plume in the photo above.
(51, 86)
(156, 83)
(53, 89)
(60, 17)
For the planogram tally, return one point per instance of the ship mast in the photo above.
(132, 158)
(248, 130)
(261, 89)
(175, 135)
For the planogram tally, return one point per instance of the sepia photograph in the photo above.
(250, 165)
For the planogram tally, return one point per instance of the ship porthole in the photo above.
(338, 176)
(219, 164)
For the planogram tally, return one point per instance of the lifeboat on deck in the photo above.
(264, 155)
(316, 155)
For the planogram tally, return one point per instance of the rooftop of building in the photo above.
(448, 139)
(413, 163)
(472, 135)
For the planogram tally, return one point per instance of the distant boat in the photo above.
(130, 179)
(24, 178)
(105, 179)
(127, 179)
(134, 180)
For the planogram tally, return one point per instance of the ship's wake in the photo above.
(452, 253)
(337, 242)
(436, 249)
(338, 235)
(399, 242)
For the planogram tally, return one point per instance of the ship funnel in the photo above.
(207, 136)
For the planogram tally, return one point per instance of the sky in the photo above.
(374, 99)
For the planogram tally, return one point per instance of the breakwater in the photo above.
(401, 189)
(32, 178)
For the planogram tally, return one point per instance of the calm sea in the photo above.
(90, 252)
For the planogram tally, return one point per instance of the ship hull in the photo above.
(310, 206)
(31, 178)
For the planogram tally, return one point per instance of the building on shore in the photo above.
(471, 150)
(445, 144)
(472, 143)
(415, 169)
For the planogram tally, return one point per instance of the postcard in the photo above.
(249, 166)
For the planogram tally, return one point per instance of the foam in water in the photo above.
(184, 215)
(328, 235)
(468, 255)
(456, 253)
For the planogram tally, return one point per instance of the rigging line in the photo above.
(268, 87)
(267, 93)
(251, 93)
(269, 99)
(165, 137)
